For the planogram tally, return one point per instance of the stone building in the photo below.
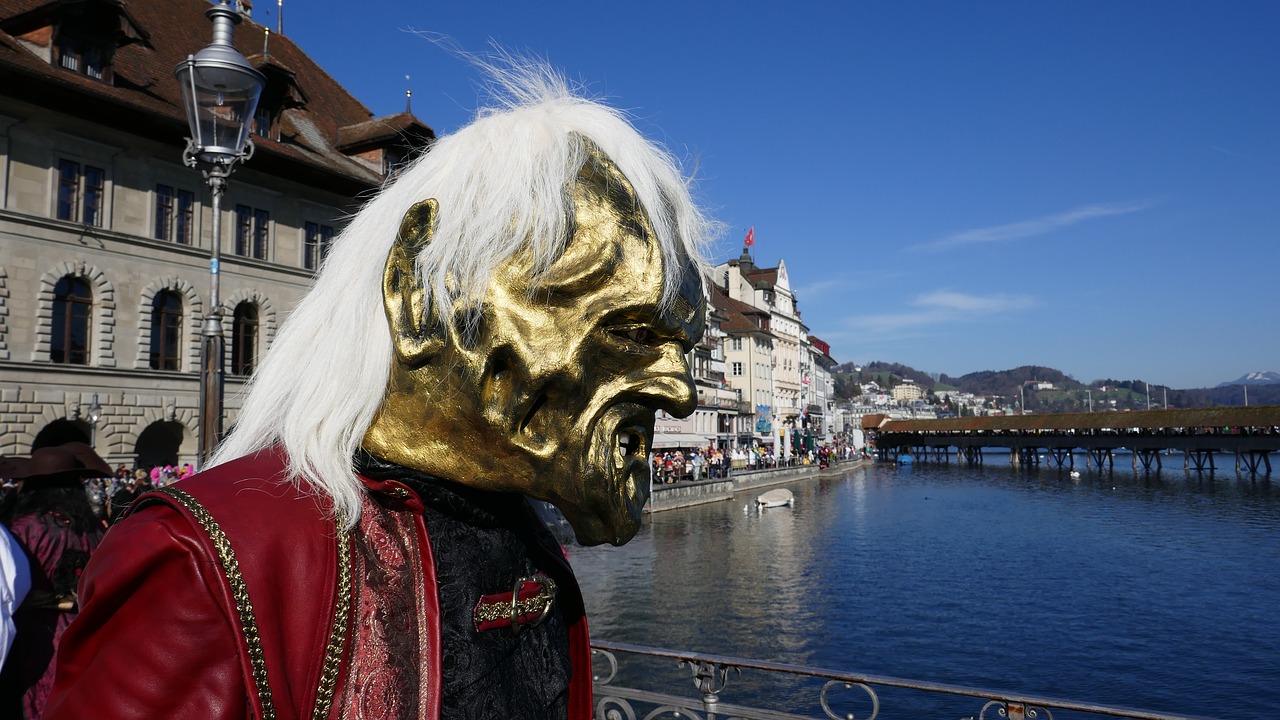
(748, 350)
(105, 235)
(769, 290)
(907, 391)
(818, 392)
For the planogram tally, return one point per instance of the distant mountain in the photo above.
(1255, 378)
(1068, 394)
(1006, 382)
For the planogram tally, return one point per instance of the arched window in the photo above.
(166, 331)
(244, 341)
(72, 307)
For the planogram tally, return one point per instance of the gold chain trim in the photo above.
(239, 591)
(338, 635)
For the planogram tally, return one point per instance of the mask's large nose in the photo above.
(672, 388)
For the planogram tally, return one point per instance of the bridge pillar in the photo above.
(1147, 456)
(1061, 456)
(1254, 460)
(1100, 455)
(1200, 460)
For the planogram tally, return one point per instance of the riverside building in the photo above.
(778, 366)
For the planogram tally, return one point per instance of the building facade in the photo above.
(819, 391)
(748, 349)
(769, 290)
(105, 236)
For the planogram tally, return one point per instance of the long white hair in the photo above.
(502, 182)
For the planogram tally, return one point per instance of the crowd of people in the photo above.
(55, 507)
(697, 464)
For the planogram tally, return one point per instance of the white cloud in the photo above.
(938, 307)
(818, 288)
(946, 300)
(1032, 227)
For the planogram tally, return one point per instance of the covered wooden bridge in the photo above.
(1250, 433)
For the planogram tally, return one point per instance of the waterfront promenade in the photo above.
(740, 482)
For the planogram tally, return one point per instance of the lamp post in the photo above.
(220, 92)
(95, 412)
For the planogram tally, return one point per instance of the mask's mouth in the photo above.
(610, 503)
(631, 442)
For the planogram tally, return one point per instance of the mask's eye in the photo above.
(640, 335)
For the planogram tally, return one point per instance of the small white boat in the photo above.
(776, 498)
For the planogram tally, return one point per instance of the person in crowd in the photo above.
(124, 496)
(501, 323)
(98, 500)
(53, 522)
(697, 461)
(15, 583)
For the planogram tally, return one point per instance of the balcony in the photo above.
(729, 403)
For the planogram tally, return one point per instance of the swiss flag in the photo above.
(751, 237)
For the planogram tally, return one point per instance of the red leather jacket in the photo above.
(162, 630)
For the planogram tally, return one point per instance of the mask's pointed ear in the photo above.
(415, 336)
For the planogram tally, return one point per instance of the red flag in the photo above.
(751, 237)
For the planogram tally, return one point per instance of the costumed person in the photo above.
(500, 324)
(55, 525)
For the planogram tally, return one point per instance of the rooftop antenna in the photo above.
(408, 95)
(279, 17)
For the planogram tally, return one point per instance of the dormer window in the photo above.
(393, 161)
(282, 92)
(385, 145)
(79, 37)
(262, 121)
(80, 56)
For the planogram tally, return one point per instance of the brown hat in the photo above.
(73, 459)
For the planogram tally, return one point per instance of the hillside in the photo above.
(1068, 394)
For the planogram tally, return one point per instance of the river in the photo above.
(1159, 592)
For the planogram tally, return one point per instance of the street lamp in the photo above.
(220, 92)
(95, 412)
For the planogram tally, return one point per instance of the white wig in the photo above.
(503, 182)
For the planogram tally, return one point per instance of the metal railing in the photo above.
(800, 692)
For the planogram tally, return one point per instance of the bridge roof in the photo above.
(1259, 415)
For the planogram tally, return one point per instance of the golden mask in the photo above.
(551, 386)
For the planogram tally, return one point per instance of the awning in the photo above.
(679, 440)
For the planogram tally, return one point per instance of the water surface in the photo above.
(1153, 591)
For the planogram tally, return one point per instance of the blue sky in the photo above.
(957, 186)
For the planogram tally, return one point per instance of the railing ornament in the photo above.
(826, 706)
(710, 679)
(613, 666)
(1014, 711)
